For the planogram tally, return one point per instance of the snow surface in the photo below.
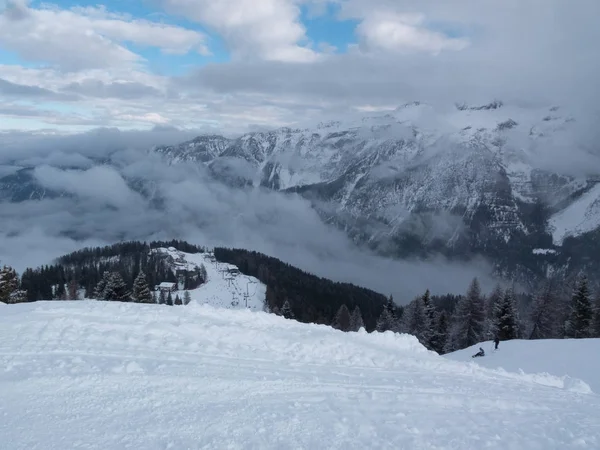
(109, 375)
(581, 216)
(568, 359)
(544, 251)
(223, 289)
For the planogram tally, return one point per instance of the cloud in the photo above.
(21, 91)
(269, 29)
(183, 201)
(404, 33)
(102, 185)
(87, 38)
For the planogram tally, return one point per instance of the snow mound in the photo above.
(114, 375)
(226, 287)
(563, 363)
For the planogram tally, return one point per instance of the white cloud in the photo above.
(102, 185)
(87, 38)
(404, 32)
(267, 29)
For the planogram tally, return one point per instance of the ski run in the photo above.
(109, 375)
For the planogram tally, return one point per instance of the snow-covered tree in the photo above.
(115, 288)
(387, 320)
(342, 319)
(154, 297)
(468, 321)
(356, 320)
(99, 291)
(169, 299)
(544, 313)
(178, 301)
(187, 298)
(162, 298)
(141, 291)
(596, 323)
(579, 324)
(9, 286)
(286, 311)
(427, 334)
(506, 317)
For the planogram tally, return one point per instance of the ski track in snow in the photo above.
(107, 375)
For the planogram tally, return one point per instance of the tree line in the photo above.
(443, 323)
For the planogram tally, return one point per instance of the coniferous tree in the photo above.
(579, 324)
(169, 299)
(414, 320)
(187, 298)
(154, 297)
(162, 298)
(468, 321)
(440, 337)
(428, 334)
(100, 290)
(61, 292)
(356, 320)
(178, 301)
(506, 317)
(491, 303)
(141, 291)
(596, 323)
(9, 286)
(116, 289)
(342, 319)
(286, 310)
(544, 313)
(388, 320)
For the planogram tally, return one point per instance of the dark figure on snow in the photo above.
(479, 353)
(496, 342)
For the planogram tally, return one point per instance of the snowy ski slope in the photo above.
(107, 375)
(225, 288)
(569, 359)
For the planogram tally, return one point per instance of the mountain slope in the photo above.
(569, 359)
(112, 376)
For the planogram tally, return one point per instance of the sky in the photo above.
(235, 65)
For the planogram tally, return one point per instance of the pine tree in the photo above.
(141, 291)
(61, 292)
(169, 299)
(154, 298)
(579, 324)
(415, 320)
(356, 320)
(162, 298)
(596, 324)
(178, 301)
(427, 335)
(342, 319)
(286, 311)
(440, 337)
(388, 320)
(100, 290)
(187, 298)
(9, 283)
(544, 313)
(491, 303)
(506, 317)
(116, 289)
(468, 321)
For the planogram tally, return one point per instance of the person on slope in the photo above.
(496, 342)
(479, 353)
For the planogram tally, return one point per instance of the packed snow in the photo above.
(109, 375)
(226, 287)
(573, 361)
(581, 216)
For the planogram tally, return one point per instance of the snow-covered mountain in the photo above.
(113, 375)
(502, 181)
(476, 180)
